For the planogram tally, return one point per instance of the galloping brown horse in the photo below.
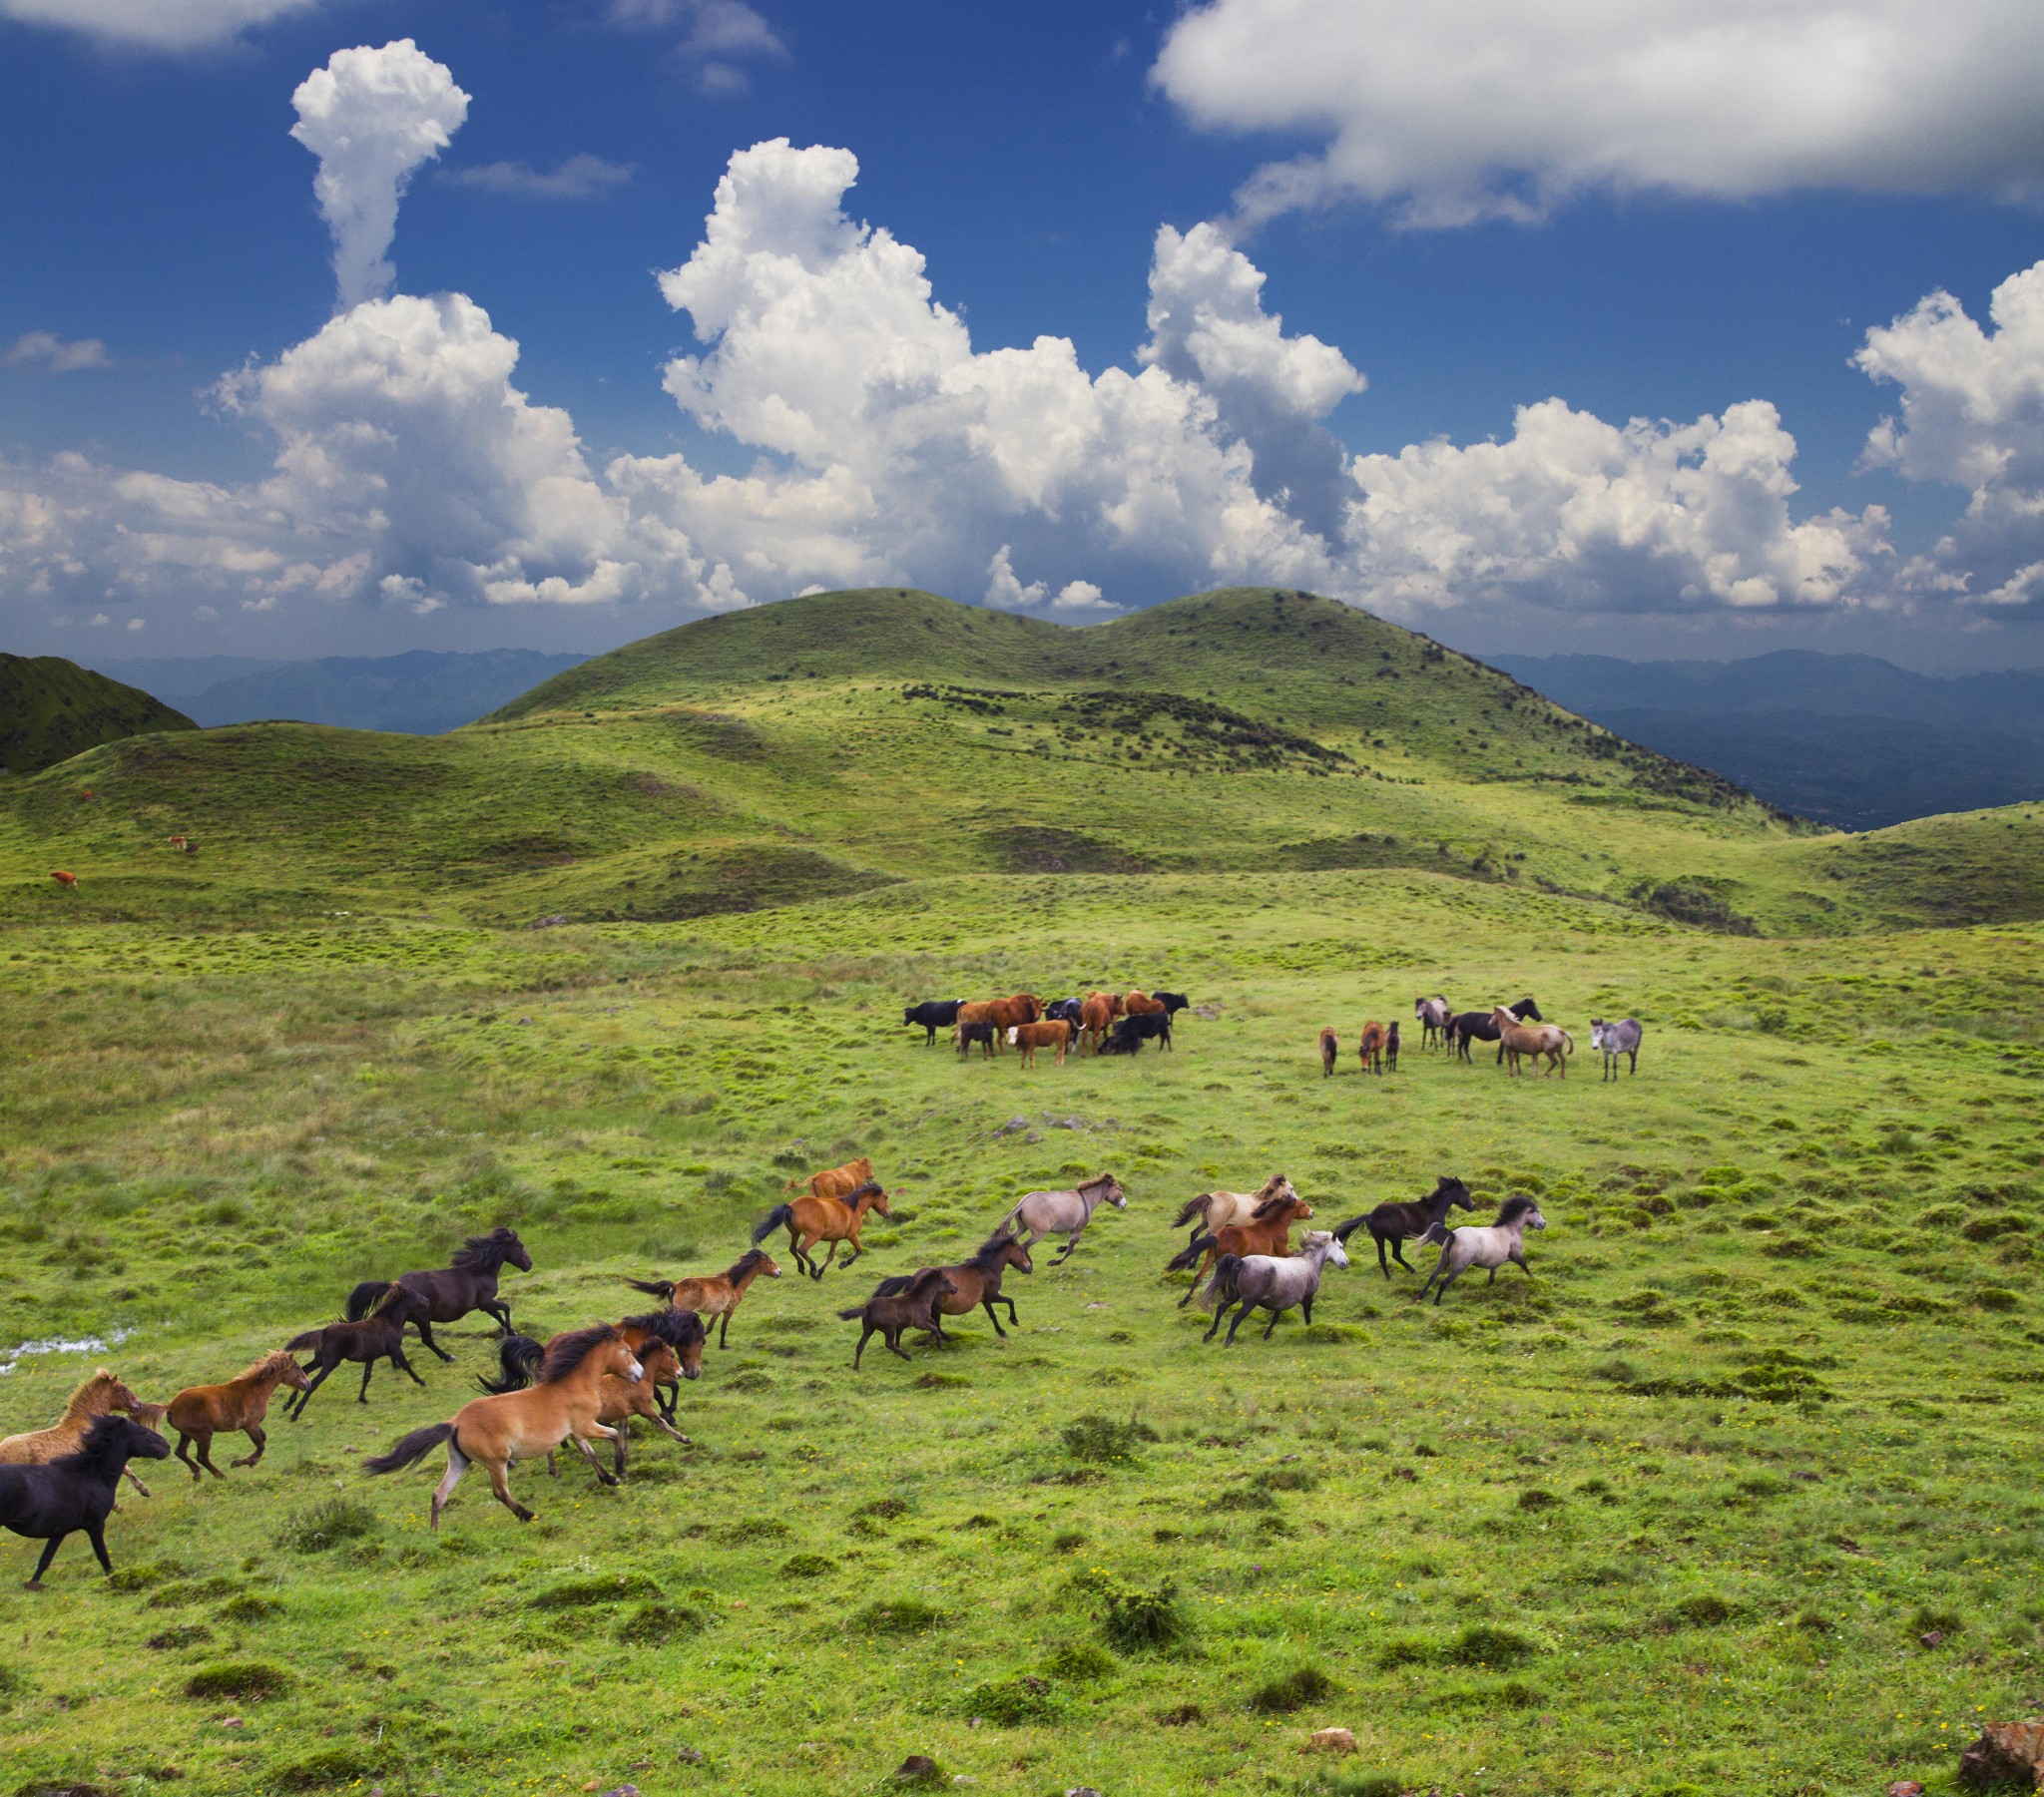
(974, 1282)
(813, 1219)
(99, 1395)
(622, 1399)
(1268, 1231)
(834, 1182)
(200, 1412)
(712, 1295)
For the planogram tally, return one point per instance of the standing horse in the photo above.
(1272, 1282)
(1432, 1014)
(1614, 1040)
(1491, 1247)
(712, 1295)
(974, 1282)
(200, 1412)
(1371, 1048)
(500, 1431)
(1041, 1213)
(1392, 1224)
(96, 1396)
(451, 1292)
(1481, 1026)
(813, 1219)
(1330, 1052)
(1213, 1210)
(378, 1336)
(1516, 1039)
(75, 1492)
(1268, 1231)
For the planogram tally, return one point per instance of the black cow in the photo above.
(1475, 1026)
(983, 1033)
(933, 1015)
(1173, 1002)
(1131, 1032)
(1062, 1011)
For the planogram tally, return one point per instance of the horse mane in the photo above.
(1512, 1210)
(677, 1328)
(567, 1352)
(274, 1361)
(398, 1294)
(92, 1453)
(485, 1253)
(80, 1401)
(990, 1250)
(745, 1262)
(1271, 1206)
(1270, 1188)
(871, 1187)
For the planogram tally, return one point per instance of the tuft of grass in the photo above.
(1480, 1645)
(327, 1524)
(897, 1615)
(244, 1681)
(661, 1625)
(1296, 1691)
(1008, 1702)
(1138, 1621)
(324, 1769)
(607, 1588)
(1099, 1439)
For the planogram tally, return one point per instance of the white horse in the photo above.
(1434, 1015)
(1272, 1282)
(1491, 1245)
(1042, 1214)
(1614, 1040)
(1214, 1211)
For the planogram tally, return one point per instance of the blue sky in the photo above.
(1649, 217)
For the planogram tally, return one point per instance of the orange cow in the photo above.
(1031, 1037)
(1141, 1004)
(63, 877)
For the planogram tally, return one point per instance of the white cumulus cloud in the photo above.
(154, 23)
(1458, 109)
(372, 116)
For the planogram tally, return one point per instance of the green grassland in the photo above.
(1674, 1515)
(52, 709)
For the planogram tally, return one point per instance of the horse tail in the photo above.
(1194, 1207)
(660, 1288)
(1570, 1041)
(1187, 1256)
(363, 1298)
(300, 1343)
(888, 1287)
(781, 1214)
(519, 1356)
(1008, 1221)
(1221, 1289)
(1342, 1231)
(855, 1310)
(413, 1449)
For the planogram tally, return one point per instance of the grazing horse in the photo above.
(521, 1358)
(1491, 1245)
(974, 1282)
(1096, 1018)
(836, 1220)
(1041, 1213)
(451, 1292)
(1272, 1282)
(73, 1492)
(1031, 1037)
(1213, 1210)
(887, 1313)
(1330, 1052)
(1478, 1026)
(1268, 1231)
(1393, 1225)
(1516, 1039)
(501, 1429)
(712, 1295)
(834, 1182)
(200, 1412)
(1371, 1048)
(931, 1015)
(378, 1336)
(1613, 1040)
(64, 878)
(96, 1396)
(1432, 1014)
(1392, 1046)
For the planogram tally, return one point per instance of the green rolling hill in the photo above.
(52, 709)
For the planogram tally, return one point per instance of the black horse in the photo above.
(75, 1491)
(1475, 1026)
(1392, 1225)
(451, 1292)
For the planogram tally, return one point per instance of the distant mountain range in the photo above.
(52, 709)
(1850, 740)
(423, 692)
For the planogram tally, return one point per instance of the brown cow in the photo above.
(1113, 1000)
(64, 877)
(1004, 1014)
(835, 1181)
(1268, 1231)
(1141, 1004)
(1095, 1019)
(1031, 1037)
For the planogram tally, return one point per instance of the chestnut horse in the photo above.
(973, 1282)
(1331, 1050)
(834, 1182)
(622, 1399)
(1268, 1231)
(836, 1220)
(500, 1431)
(714, 1295)
(1371, 1048)
(96, 1396)
(200, 1412)
(683, 1332)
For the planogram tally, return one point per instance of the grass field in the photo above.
(1682, 1514)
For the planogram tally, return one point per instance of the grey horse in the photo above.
(1614, 1040)
(1042, 1214)
(1492, 1246)
(1434, 1015)
(1272, 1282)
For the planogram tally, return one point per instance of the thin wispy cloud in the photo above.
(714, 37)
(44, 352)
(580, 177)
(172, 25)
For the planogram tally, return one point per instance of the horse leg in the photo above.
(987, 1305)
(426, 1336)
(1219, 1311)
(128, 1473)
(305, 1397)
(362, 1396)
(1441, 1291)
(1634, 1055)
(587, 1449)
(96, 1532)
(398, 1359)
(205, 1455)
(500, 1484)
(1237, 1324)
(255, 1433)
(865, 1337)
(857, 1248)
(1519, 1259)
(1492, 1280)
(1384, 1266)
(458, 1464)
(722, 1334)
(502, 1312)
(895, 1344)
(185, 1453)
(50, 1547)
(1275, 1316)
(830, 1257)
(1306, 1309)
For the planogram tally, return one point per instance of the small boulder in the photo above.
(1329, 1740)
(919, 1769)
(1906, 1787)
(2007, 1753)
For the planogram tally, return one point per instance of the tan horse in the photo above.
(99, 1394)
(500, 1431)
(1213, 1210)
(834, 1182)
(1532, 1041)
(813, 1219)
(714, 1296)
(1268, 1232)
(200, 1412)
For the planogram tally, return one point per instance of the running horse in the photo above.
(972, 1283)
(451, 1292)
(1041, 1213)
(813, 1219)
(712, 1295)
(98, 1396)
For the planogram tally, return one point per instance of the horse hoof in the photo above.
(32, 1585)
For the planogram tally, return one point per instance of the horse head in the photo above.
(1014, 1254)
(286, 1369)
(1526, 1008)
(513, 1249)
(1455, 1192)
(616, 1356)
(1109, 1189)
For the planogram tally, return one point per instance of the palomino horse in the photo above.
(98, 1396)
(1432, 1015)
(836, 1220)
(712, 1295)
(76, 1491)
(1392, 1224)
(200, 1412)
(378, 1336)
(1268, 1231)
(1213, 1210)
(1272, 1282)
(1041, 1213)
(500, 1431)
(623, 1399)
(451, 1292)
(1532, 1041)
(1613, 1040)
(973, 1282)
(1491, 1247)
(834, 1182)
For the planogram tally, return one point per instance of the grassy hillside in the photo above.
(52, 709)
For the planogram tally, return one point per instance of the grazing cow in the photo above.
(1031, 1037)
(177, 841)
(1613, 1040)
(1532, 1041)
(1132, 1032)
(64, 877)
(1371, 1048)
(1141, 1004)
(1331, 1049)
(1392, 1046)
(1173, 1002)
(1113, 999)
(1095, 1019)
(1003, 1014)
(984, 1033)
(1477, 1026)
(933, 1015)
(1432, 1014)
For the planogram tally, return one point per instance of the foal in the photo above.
(886, 1314)
(974, 1282)
(378, 1336)
(200, 1412)
(75, 1492)
(712, 1295)
(1491, 1247)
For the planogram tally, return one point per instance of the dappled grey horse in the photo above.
(1491, 1245)
(1042, 1214)
(1614, 1040)
(1272, 1282)
(1434, 1015)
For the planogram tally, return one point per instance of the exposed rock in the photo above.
(551, 922)
(1329, 1740)
(2007, 1753)
(1906, 1787)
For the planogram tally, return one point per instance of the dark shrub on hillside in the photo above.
(1693, 902)
(1137, 1619)
(1080, 1661)
(661, 1625)
(607, 1588)
(1104, 1437)
(1009, 1702)
(1705, 1610)
(327, 1524)
(249, 1681)
(1482, 1645)
(1296, 1690)
(897, 1615)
